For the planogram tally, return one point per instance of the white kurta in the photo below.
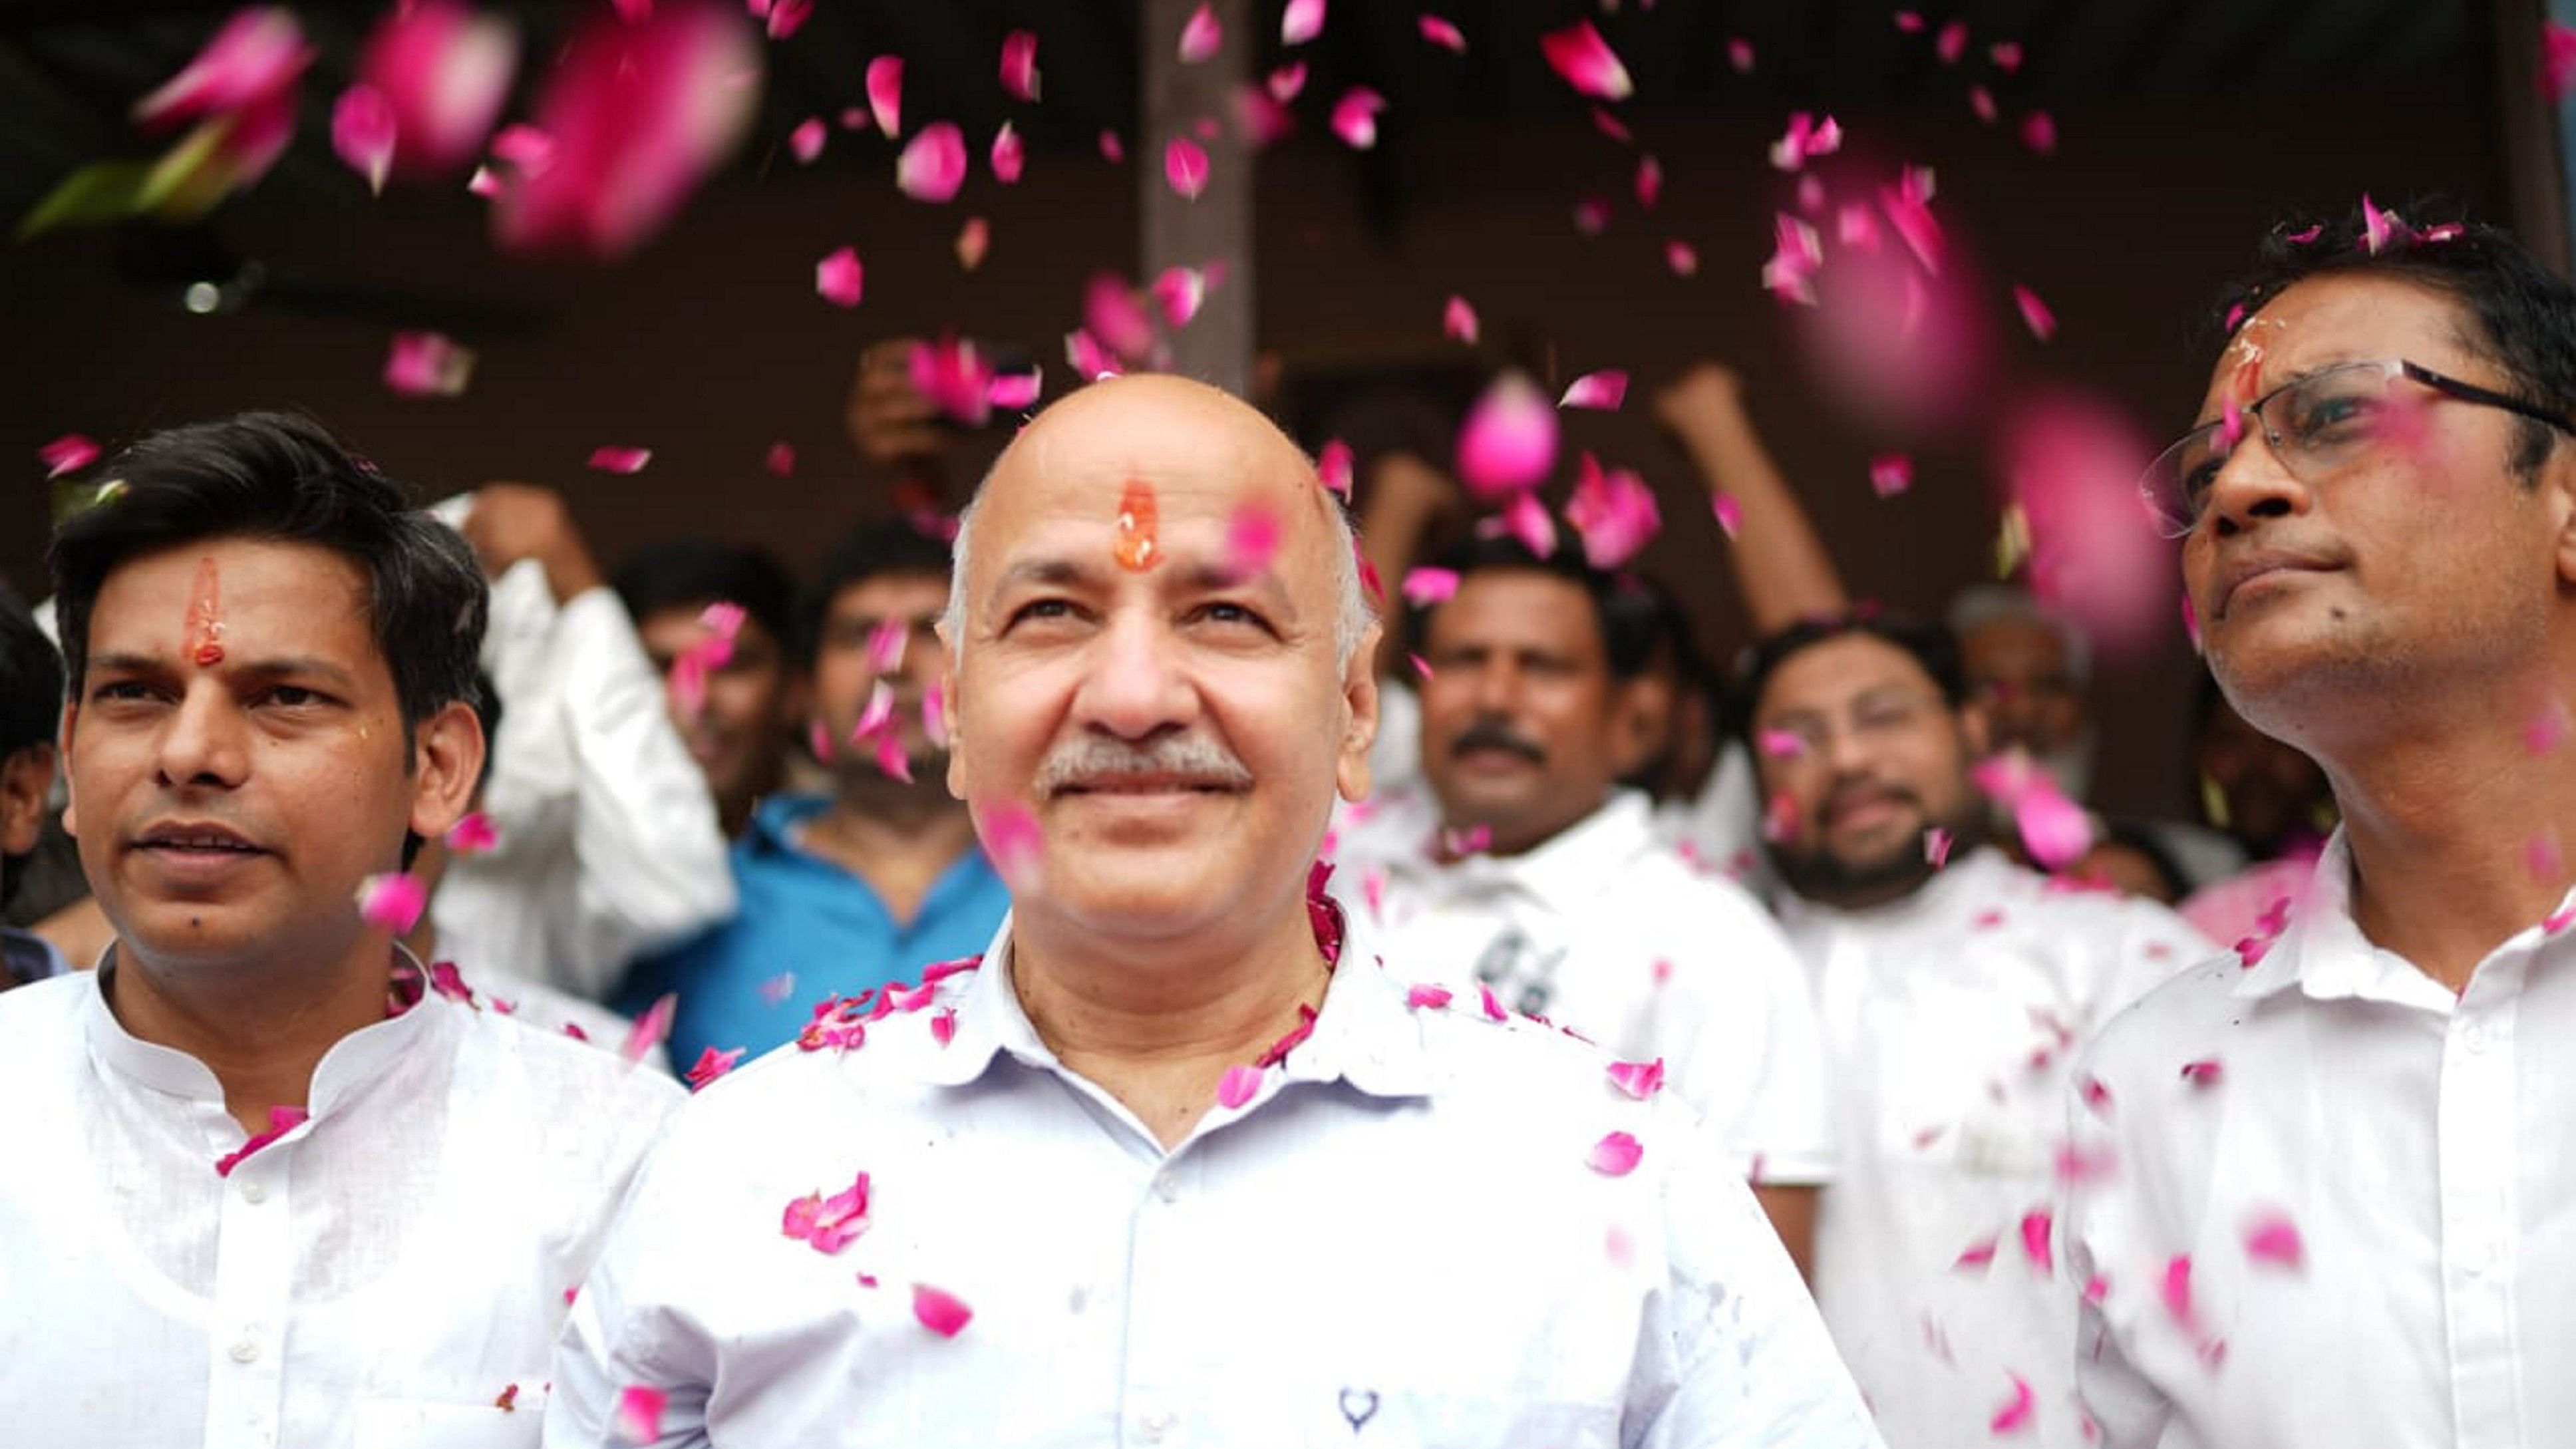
(2368, 1184)
(389, 1273)
(1605, 930)
(1950, 1019)
(1396, 1241)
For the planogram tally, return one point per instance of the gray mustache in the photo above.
(1095, 758)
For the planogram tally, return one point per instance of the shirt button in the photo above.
(1155, 1425)
(252, 1192)
(245, 1350)
(1167, 1187)
(2476, 1038)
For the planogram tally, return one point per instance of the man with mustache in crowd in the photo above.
(1187, 1157)
(2329, 1195)
(1526, 871)
(845, 892)
(269, 1181)
(1952, 986)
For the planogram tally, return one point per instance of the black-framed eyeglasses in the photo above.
(2313, 425)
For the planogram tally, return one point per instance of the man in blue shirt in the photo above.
(865, 885)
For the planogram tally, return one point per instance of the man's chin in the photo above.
(1837, 878)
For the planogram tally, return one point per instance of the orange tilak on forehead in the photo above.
(202, 630)
(1137, 548)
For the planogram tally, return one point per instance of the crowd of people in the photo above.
(1140, 985)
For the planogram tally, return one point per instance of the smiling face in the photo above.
(1178, 732)
(739, 731)
(845, 678)
(229, 801)
(2423, 559)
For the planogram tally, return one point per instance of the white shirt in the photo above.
(1721, 827)
(383, 1274)
(1950, 1017)
(2418, 1144)
(609, 841)
(1396, 1241)
(1606, 931)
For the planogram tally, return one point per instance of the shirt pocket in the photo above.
(425, 1424)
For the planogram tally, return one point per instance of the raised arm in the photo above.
(1780, 564)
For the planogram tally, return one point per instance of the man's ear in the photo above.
(1359, 709)
(1974, 730)
(2558, 483)
(26, 780)
(71, 800)
(447, 762)
(956, 734)
(1636, 707)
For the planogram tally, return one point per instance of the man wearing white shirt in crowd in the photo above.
(1181, 1161)
(2331, 1199)
(1522, 868)
(1951, 996)
(607, 843)
(266, 1187)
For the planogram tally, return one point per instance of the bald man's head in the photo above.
(1164, 432)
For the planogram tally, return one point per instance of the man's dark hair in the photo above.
(691, 573)
(894, 546)
(31, 679)
(282, 478)
(1931, 645)
(1623, 608)
(2524, 314)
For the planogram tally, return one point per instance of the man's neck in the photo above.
(1156, 1025)
(261, 1028)
(2461, 834)
(899, 841)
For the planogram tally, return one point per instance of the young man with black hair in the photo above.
(846, 891)
(1952, 985)
(2335, 1202)
(31, 695)
(266, 1184)
(730, 684)
(1523, 868)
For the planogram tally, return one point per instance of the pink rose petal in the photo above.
(2557, 60)
(1237, 1086)
(974, 239)
(2006, 54)
(362, 133)
(1443, 34)
(1614, 513)
(1185, 166)
(1458, 320)
(1611, 126)
(1355, 117)
(933, 164)
(786, 17)
(1978, 1255)
(1112, 149)
(1936, 847)
(2175, 1291)
(1890, 474)
(2378, 227)
(885, 94)
(1020, 65)
(1508, 442)
(1982, 102)
(2273, 1240)
(806, 141)
(1615, 1155)
(638, 1419)
(2039, 132)
(1729, 514)
(392, 902)
(281, 1120)
(1301, 21)
(1426, 586)
(1638, 1079)
(1180, 291)
(1334, 467)
(473, 835)
(1603, 390)
(1492, 1004)
(2035, 314)
(1587, 63)
(839, 278)
(1201, 35)
(1527, 519)
(613, 459)
(1592, 216)
(445, 71)
(1286, 82)
(2016, 1413)
(1650, 180)
(712, 1064)
(258, 54)
(1251, 542)
(1909, 22)
(1009, 158)
(651, 1029)
(2035, 1226)
(426, 364)
(1952, 42)
(941, 1312)
(955, 376)
(67, 454)
(1013, 841)
(1431, 996)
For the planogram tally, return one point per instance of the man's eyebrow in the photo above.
(1044, 570)
(306, 666)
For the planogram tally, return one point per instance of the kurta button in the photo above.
(252, 1192)
(245, 1350)
(1167, 1187)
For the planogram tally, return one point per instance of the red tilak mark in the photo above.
(204, 643)
(1137, 549)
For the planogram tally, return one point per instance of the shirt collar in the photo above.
(1573, 863)
(2322, 951)
(352, 1064)
(1365, 1033)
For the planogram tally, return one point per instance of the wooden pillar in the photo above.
(1216, 227)
(2535, 164)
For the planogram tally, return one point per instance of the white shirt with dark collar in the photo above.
(390, 1272)
(1950, 1018)
(1609, 932)
(2333, 1202)
(1399, 1239)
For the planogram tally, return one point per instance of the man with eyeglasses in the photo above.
(2327, 1195)
(1952, 985)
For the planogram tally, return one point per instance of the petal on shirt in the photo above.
(1615, 1155)
(2035, 1226)
(940, 1311)
(650, 1029)
(1237, 1086)
(2271, 1238)
(1638, 1079)
(2015, 1415)
(1422, 995)
(1979, 1254)
(1493, 1005)
(712, 1064)
(449, 982)
(281, 1120)
(2203, 1073)
(639, 1413)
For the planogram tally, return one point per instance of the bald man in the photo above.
(1180, 1159)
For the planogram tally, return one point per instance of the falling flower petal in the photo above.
(1422, 996)
(443, 73)
(1013, 842)
(1251, 541)
(1301, 21)
(2016, 1413)
(942, 1313)
(1009, 156)
(1638, 1079)
(2035, 1226)
(1112, 149)
(1508, 442)
(1201, 35)
(1020, 64)
(933, 164)
(67, 454)
(639, 1413)
(1014, 391)
(974, 239)
(1614, 512)
(2175, 1290)
(258, 54)
(1650, 180)
(1739, 54)
(806, 141)
(1608, 124)
(1592, 216)
(2379, 227)
(1458, 320)
(1586, 61)
(651, 1029)
(392, 902)
(1952, 42)
(1797, 255)
(281, 1120)
(2006, 54)
(955, 376)
(1443, 34)
(1615, 1155)
(885, 645)
(2272, 1239)
(2054, 829)
(1237, 1086)
(1425, 586)
(1936, 847)
(473, 835)
(1180, 291)
(1891, 474)
(1284, 83)
(2557, 60)
(1527, 519)
(2035, 313)
(362, 133)
(426, 364)
(620, 460)
(1492, 1004)
(1185, 166)
(1982, 101)
(839, 278)
(885, 94)
(712, 1064)
(1729, 514)
(2039, 132)
(1355, 117)
(1603, 390)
